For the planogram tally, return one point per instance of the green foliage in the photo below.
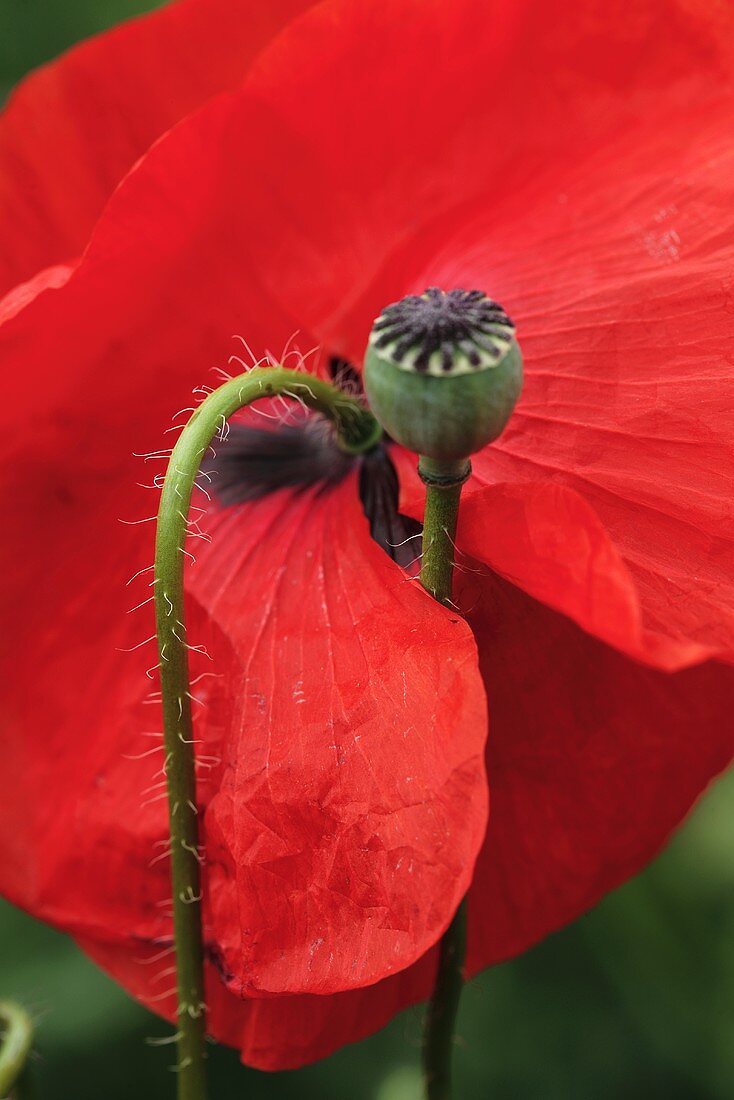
(34, 31)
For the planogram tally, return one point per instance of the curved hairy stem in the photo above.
(16, 1039)
(357, 431)
(443, 482)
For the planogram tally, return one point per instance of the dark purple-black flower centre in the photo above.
(253, 462)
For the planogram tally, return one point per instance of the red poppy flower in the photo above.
(577, 166)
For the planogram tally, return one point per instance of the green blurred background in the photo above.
(636, 1000)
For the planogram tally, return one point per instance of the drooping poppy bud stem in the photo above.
(357, 432)
(16, 1039)
(443, 372)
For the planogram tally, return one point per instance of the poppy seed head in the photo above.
(443, 332)
(443, 371)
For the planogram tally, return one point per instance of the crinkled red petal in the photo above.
(272, 1033)
(341, 722)
(73, 129)
(593, 759)
(628, 402)
(351, 800)
(400, 127)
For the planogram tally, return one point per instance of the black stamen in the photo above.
(344, 375)
(254, 462)
(398, 535)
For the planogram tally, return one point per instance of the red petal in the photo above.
(349, 860)
(50, 278)
(271, 1032)
(443, 112)
(155, 298)
(155, 322)
(629, 396)
(73, 129)
(352, 803)
(625, 403)
(112, 354)
(550, 542)
(593, 760)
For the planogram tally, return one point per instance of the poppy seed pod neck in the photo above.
(443, 372)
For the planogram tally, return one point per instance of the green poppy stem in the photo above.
(16, 1040)
(443, 482)
(357, 432)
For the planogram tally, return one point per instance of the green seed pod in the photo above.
(443, 372)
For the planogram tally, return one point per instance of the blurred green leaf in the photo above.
(34, 31)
